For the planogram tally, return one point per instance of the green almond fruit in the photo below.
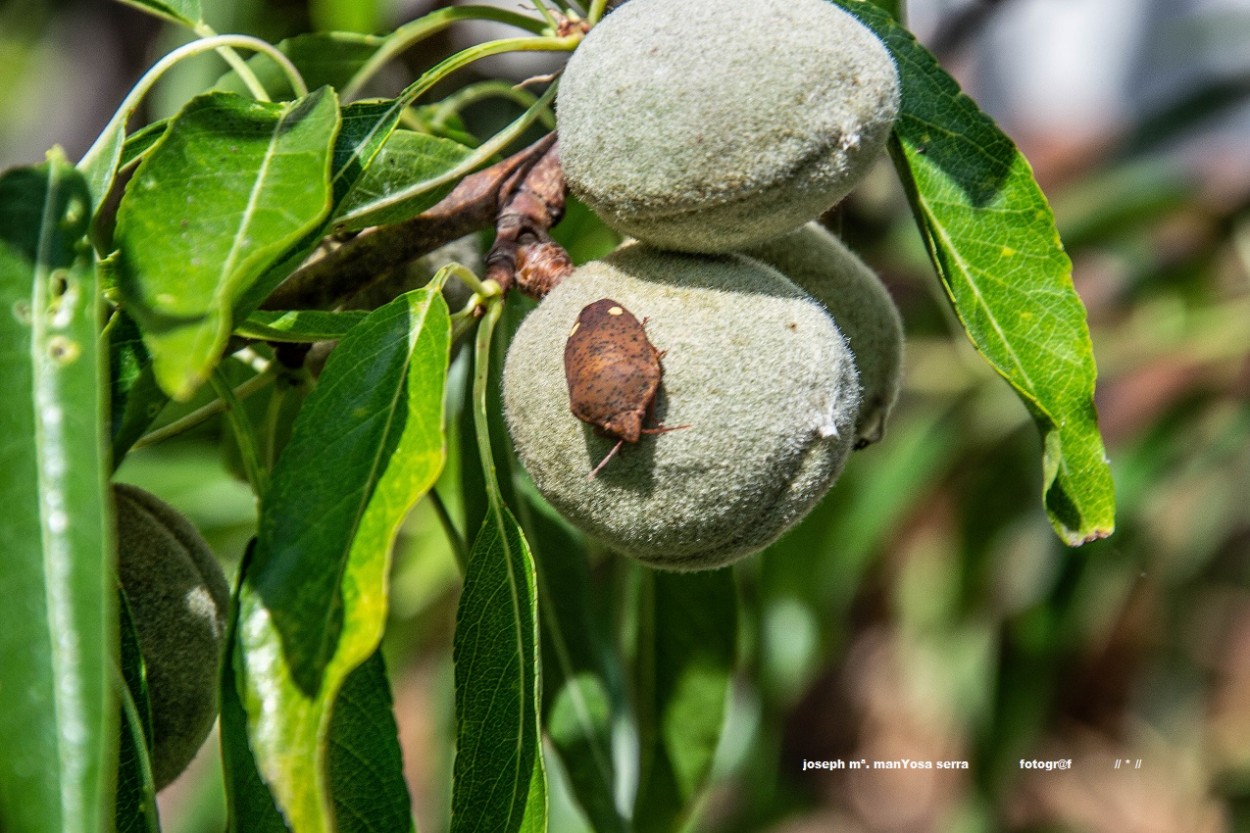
(823, 266)
(754, 366)
(178, 599)
(708, 125)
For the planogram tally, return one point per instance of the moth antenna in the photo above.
(664, 429)
(605, 460)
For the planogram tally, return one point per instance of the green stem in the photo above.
(244, 433)
(236, 63)
(459, 547)
(200, 415)
(217, 43)
(133, 725)
(483, 292)
(597, 8)
(479, 156)
(481, 379)
(473, 93)
(465, 57)
(418, 30)
(273, 421)
(546, 13)
(463, 321)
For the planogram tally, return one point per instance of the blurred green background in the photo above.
(925, 611)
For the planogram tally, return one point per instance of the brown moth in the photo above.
(613, 373)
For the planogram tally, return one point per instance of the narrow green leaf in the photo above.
(322, 58)
(299, 326)
(686, 634)
(135, 806)
(365, 764)
(135, 400)
(57, 620)
(250, 806)
(992, 238)
(366, 767)
(368, 443)
(406, 158)
(228, 188)
(498, 782)
(578, 707)
(186, 12)
(113, 151)
(366, 127)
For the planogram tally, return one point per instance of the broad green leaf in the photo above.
(407, 157)
(578, 706)
(57, 615)
(499, 784)
(992, 238)
(363, 130)
(228, 188)
(322, 58)
(367, 445)
(135, 805)
(100, 163)
(365, 766)
(366, 126)
(686, 634)
(299, 326)
(186, 12)
(135, 400)
(250, 806)
(372, 798)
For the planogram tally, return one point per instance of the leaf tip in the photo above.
(1079, 538)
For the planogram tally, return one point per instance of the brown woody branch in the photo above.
(490, 197)
(531, 203)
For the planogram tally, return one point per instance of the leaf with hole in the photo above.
(58, 727)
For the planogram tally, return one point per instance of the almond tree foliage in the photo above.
(257, 268)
